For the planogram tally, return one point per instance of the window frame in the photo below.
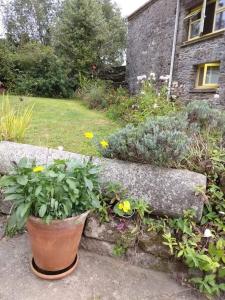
(197, 9)
(202, 19)
(206, 85)
(218, 11)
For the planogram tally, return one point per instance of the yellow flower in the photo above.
(89, 135)
(121, 206)
(104, 144)
(38, 169)
(125, 206)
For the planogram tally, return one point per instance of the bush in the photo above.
(39, 72)
(160, 141)
(100, 94)
(206, 117)
(94, 93)
(150, 102)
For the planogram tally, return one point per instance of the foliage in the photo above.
(40, 72)
(89, 32)
(27, 20)
(128, 109)
(206, 117)
(114, 200)
(58, 191)
(150, 102)
(6, 64)
(94, 93)
(14, 122)
(160, 141)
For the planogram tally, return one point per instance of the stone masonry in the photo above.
(150, 38)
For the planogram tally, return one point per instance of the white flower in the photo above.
(216, 96)
(222, 213)
(142, 92)
(208, 233)
(141, 77)
(155, 106)
(60, 148)
(159, 94)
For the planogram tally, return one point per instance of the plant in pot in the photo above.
(53, 203)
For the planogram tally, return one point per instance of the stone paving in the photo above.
(96, 278)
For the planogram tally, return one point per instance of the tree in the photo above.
(30, 20)
(39, 72)
(6, 64)
(90, 32)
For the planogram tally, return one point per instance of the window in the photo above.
(208, 76)
(206, 19)
(220, 15)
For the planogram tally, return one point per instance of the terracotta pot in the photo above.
(55, 245)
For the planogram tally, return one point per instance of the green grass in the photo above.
(57, 122)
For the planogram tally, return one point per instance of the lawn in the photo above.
(59, 122)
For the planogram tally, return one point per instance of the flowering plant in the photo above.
(57, 191)
(103, 143)
(124, 208)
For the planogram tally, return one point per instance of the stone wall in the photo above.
(150, 38)
(168, 191)
(144, 249)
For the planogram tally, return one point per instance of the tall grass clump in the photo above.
(14, 121)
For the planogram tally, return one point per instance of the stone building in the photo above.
(183, 39)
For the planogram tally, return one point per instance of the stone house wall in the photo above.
(150, 39)
(152, 28)
(190, 55)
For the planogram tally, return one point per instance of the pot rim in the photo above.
(58, 221)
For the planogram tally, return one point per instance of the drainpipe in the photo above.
(173, 49)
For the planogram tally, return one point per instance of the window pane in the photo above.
(220, 20)
(201, 76)
(221, 3)
(197, 16)
(212, 75)
(195, 28)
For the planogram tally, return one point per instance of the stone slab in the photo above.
(96, 278)
(2, 226)
(152, 243)
(168, 191)
(108, 231)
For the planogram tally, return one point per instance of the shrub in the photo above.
(161, 141)
(14, 122)
(39, 72)
(206, 117)
(94, 93)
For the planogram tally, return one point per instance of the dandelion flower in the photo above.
(38, 169)
(89, 135)
(104, 144)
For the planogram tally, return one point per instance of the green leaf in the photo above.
(38, 190)
(22, 210)
(96, 203)
(88, 183)
(61, 177)
(13, 197)
(72, 184)
(42, 210)
(7, 181)
(22, 180)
